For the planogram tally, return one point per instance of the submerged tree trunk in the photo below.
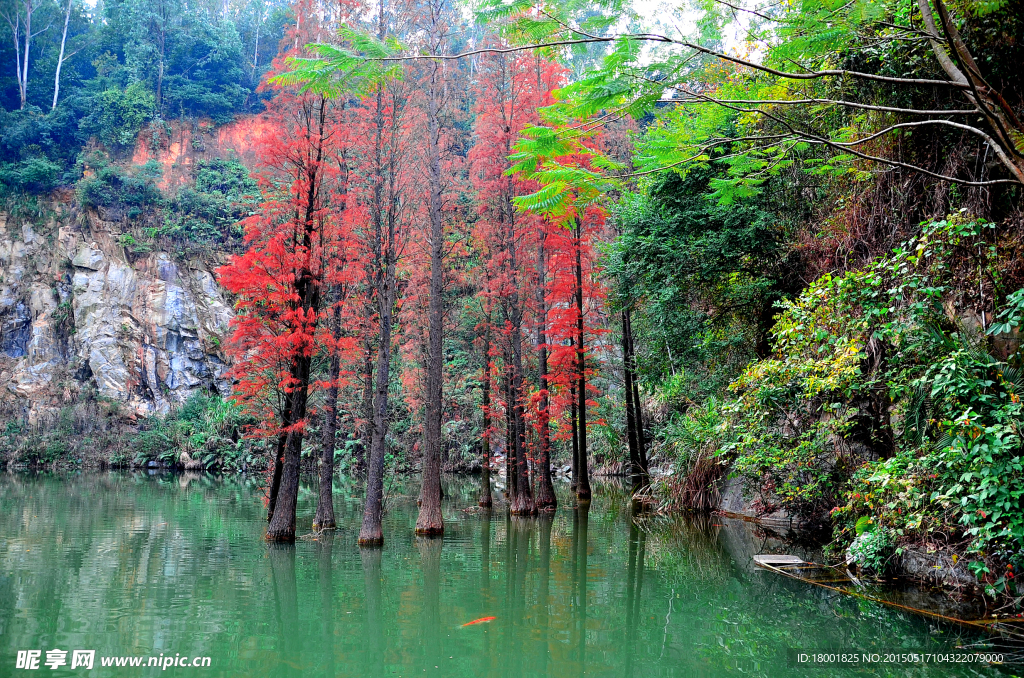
(282, 523)
(583, 482)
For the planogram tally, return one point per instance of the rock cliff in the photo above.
(78, 312)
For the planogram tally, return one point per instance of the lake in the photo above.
(170, 566)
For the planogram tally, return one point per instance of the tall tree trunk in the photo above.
(511, 478)
(522, 503)
(324, 519)
(60, 58)
(385, 254)
(485, 468)
(308, 290)
(574, 423)
(583, 482)
(23, 84)
(634, 414)
(638, 409)
(371, 533)
(430, 521)
(282, 441)
(282, 523)
(366, 434)
(631, 440)
(546, 500)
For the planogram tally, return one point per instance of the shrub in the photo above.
(35, 175)
(209, 211)
(113, 187)
(873, 549)
(882, 401)
(119, 114)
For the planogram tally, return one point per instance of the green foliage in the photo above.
(35, 175)
(108, 185)
(209, 211)
(703, 279)
(119, 114)
(701, 432)
(206, 428)
(873, 550)
(890, 332)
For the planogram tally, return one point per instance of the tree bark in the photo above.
(583, 482)
(366, 434)
(485, 468)
(638, 409)
(634, 413)
(574, 423)
(60, 58)
(385, 255)
(430, 521)
(546, 500)
(521, 503)
(282, 523)
(282, 441)
(324, 519)
(631, 441)
(511, 477)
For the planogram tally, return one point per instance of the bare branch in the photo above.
(653, 37)
(839, 102)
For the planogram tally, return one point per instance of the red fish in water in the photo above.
(481, 620)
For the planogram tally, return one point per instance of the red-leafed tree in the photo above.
(511, 88)
(383, 135)
(292, 259)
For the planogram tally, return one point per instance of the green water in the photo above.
(139, 565)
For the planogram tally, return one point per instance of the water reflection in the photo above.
(136, 564)
(286, 602)
(372, 647)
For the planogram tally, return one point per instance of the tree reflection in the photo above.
(286, 604)
(580, 520)
(634, 587)
(372, 648)
(430, 565)
(324, 549)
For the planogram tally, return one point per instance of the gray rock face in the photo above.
(75, 310)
